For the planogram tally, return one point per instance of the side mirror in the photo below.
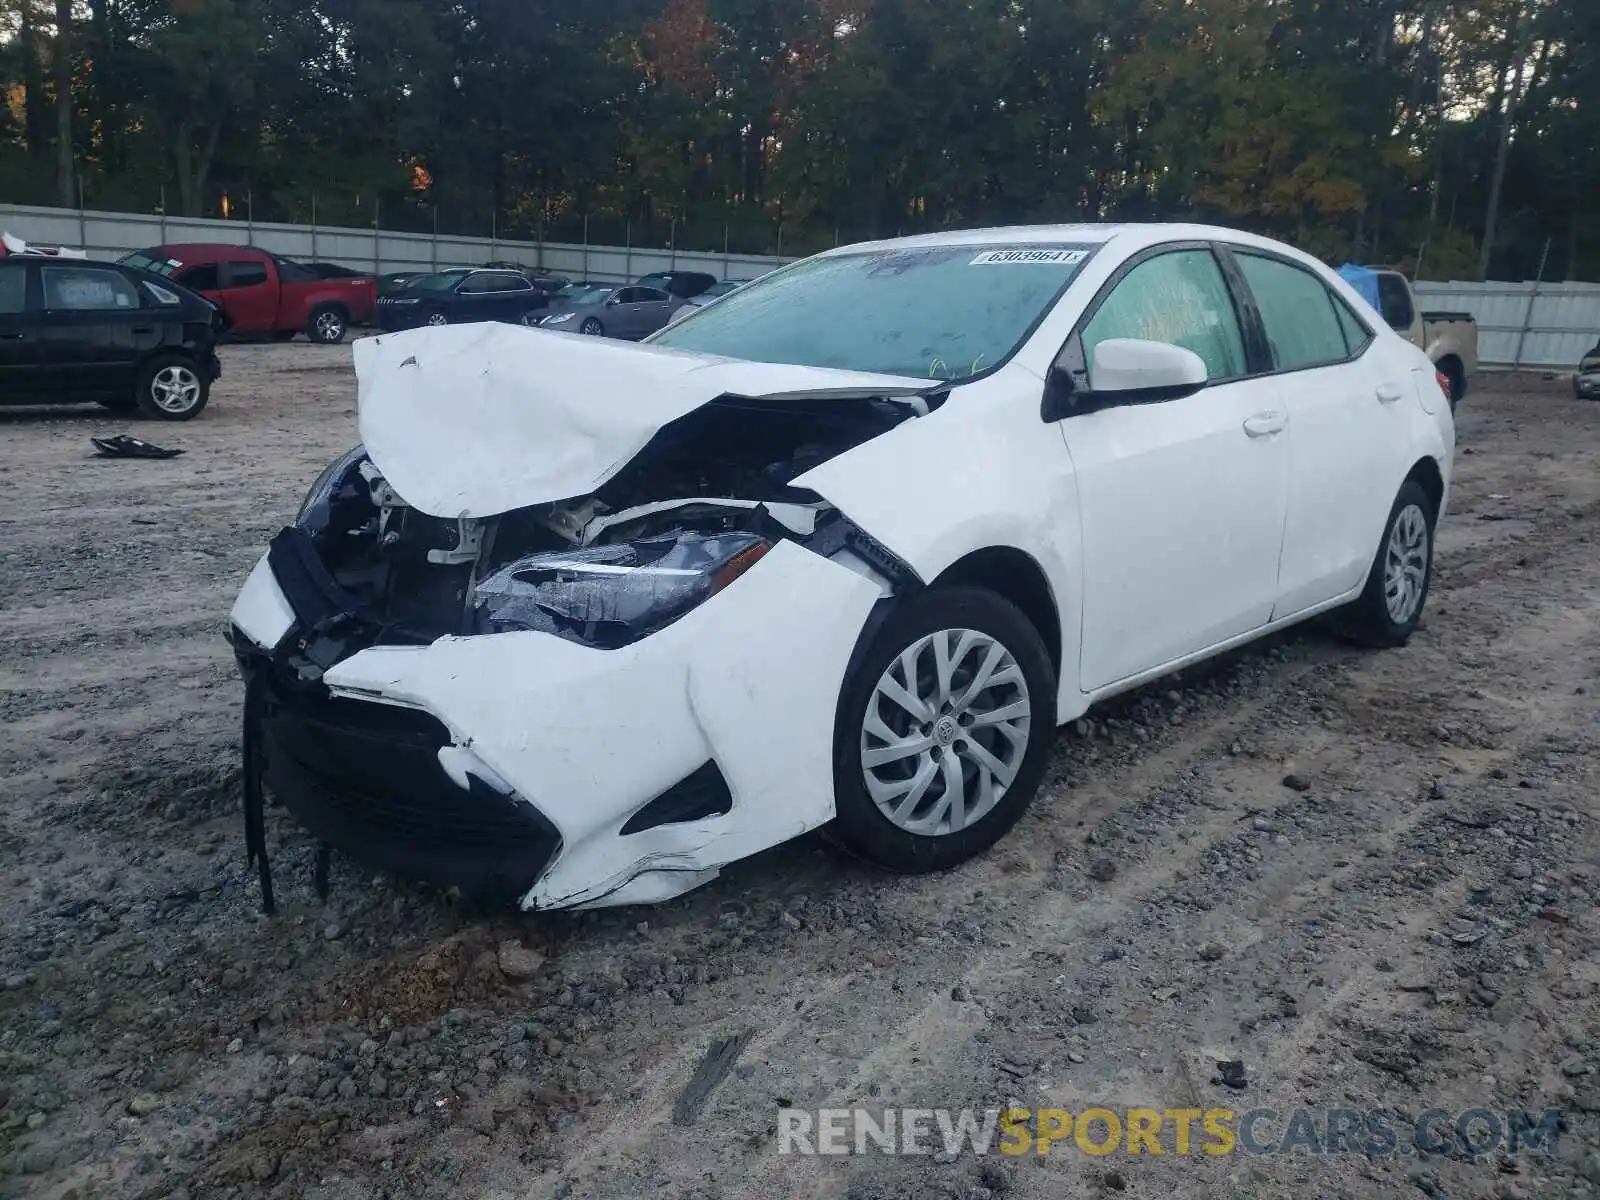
(1125, 371)
(612, 301)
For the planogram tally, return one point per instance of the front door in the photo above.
(1182, 503)
(250, 295)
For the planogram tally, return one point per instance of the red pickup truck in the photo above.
(262, 293)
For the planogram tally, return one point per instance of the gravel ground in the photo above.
(1368, 877)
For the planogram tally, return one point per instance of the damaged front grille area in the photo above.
(365, 779)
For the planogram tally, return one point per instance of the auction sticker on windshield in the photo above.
(995, 258)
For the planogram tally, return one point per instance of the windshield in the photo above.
(584, 295)
(441, 282)
(940, 312)
(144, 262)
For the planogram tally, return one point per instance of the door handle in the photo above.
(1266, 424)
(1388, 393)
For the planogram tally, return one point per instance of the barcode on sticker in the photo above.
(992, 258)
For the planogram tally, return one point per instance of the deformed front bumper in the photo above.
(525, 765)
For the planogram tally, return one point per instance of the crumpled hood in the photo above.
(477, 420)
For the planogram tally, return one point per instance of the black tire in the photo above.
(327, 324)
(155, 393)
(592, 327)
(1369, 619)
(1456, 374)
(859, 826)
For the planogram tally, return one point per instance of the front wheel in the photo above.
(172, 388)
(942, 731)
(327, 325)
(592, 327)
(1390, 608)
(435, 319)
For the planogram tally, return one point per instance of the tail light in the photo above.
(1445, 385)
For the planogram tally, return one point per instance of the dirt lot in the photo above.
(1408, 924)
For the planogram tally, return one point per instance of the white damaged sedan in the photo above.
(581, 622)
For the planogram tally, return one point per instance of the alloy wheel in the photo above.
(330, 326)
(945, 732)
(175, 389)
(1405, 569)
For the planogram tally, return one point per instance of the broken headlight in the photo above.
(609, 596)
(315, 508)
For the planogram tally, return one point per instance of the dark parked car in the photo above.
(76, 330)
(683, 284)
(1586, 383)
(457, 296)
(629, 311)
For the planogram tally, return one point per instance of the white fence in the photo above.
(1523, 324)
(111, 235)
(1519, 324)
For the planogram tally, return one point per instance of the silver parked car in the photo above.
(629, 312)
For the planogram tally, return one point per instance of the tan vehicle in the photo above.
(1449, 339)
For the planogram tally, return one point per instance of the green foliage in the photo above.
(1363, 128)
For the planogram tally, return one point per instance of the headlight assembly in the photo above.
(558, 319)
(314, 509)
(610, 596)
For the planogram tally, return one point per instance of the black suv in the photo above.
(77, 330)
(460, 295)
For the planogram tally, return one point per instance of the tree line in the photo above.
(1457, 138)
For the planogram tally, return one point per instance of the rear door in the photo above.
(506, 295)
(19, 334)
(1348, 437)
(93, 328)
(250, 293)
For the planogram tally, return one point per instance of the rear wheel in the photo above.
(436, 318)
(172, 388)
(942, 731)
(1390, 608)
(327, 324)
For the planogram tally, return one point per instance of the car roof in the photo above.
(1130, 236)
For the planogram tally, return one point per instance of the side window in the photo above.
(13, 289)
(512, 283)
(203, 278)
(1357, 337)
(246, 274)
(81, 289)
(1180, 298)
(653, 295)
(1298, 312)
(1394, 300)
(475, 285)
(629, 295)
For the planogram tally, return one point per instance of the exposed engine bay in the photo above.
(699, 505)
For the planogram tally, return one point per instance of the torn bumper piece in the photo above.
(524, 764)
